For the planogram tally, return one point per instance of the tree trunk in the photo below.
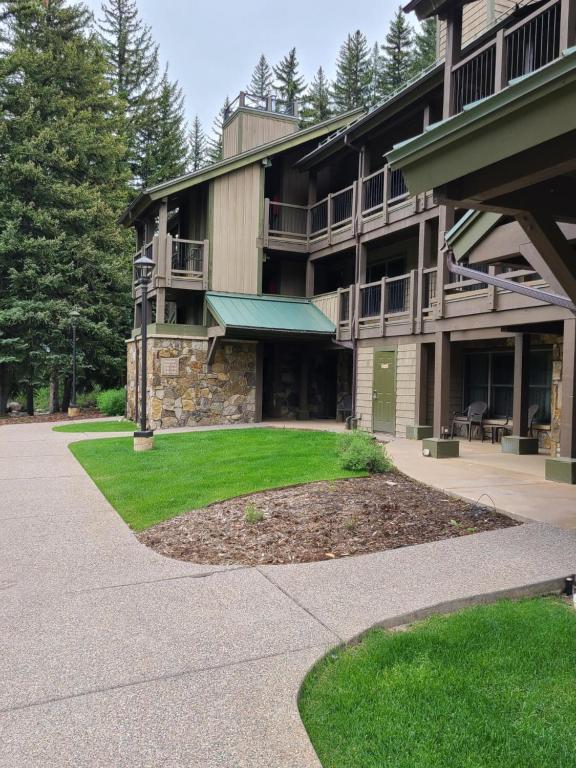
(29, 398)
(4, 379)
(66, 393)
(53, 403)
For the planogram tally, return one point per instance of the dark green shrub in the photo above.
(89, 399)
(359, 452)
(111, 402)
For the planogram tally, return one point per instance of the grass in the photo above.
(490, 687)
(97, 426)
(190, 470)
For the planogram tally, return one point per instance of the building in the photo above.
(305, 277)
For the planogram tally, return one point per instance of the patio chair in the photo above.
(472, 417)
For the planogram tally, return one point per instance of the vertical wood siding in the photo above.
(230, 137)
(260, 129)
(476, 18)
(236, 227)
(328, 303)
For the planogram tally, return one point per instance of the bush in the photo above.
(111, 402)
(41, 398)
(359, 452)
(89, 399)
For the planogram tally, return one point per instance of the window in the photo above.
(489, 377)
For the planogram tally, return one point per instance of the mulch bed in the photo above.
(320, 521)
(40, 418)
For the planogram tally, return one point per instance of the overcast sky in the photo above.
(211, 46)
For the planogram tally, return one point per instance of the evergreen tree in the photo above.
(262, 82)
(425, 52)
(375, 75)
(215, 145)
(398, 62)
(318, 100)
(62, 187)
(289, 85)
(197, 141)
(132, 57)
(352, 84)
(163, 136)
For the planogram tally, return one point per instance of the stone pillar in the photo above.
(563, 469)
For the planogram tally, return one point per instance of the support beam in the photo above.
(568, 414)
(520, 402)
(421, 416)
(453, 50)
(445, 223)
(556, 251)
(441, 382)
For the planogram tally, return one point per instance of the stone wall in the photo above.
(183, 390)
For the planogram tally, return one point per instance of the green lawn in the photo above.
(491, 687)
(188, 471)
(97, 426)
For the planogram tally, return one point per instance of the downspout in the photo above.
(507, 285)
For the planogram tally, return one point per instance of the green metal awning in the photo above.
(250, 315)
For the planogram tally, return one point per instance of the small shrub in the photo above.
(111, 402)
(89, 399)
(359, 452)
(252, 514)
(41, 398)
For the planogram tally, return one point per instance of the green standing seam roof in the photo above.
(268, 313)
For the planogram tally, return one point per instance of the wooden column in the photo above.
(421, 417)
(309, 278)
(453, 48)
(568, 415)
(567, 24)
(520, 404)
(445, 223)
(441, 382)
(362, 260)
(160, 305)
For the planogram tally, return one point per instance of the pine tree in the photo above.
(132, 57)
(398, 62)
(352, 84)
(375, 75)
(262, 82)
(62, 187)
(425, 52)
(163, 135)
(289, 85)
(198, 149)
(318, 100)
(215, 145)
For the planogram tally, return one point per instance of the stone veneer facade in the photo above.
(183, 390)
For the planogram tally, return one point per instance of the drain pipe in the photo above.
(507, 285)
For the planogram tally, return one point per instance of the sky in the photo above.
(212, 46)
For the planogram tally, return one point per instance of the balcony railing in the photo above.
(262, 103)
(372, 195)
(519, 50)
(176, 261)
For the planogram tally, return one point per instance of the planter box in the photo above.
(419, 432)
(521, 446)
(442, 449)
(561, 470)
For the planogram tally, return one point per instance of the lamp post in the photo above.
(144, 437)
(73, 409)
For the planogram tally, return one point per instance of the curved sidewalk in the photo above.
(115, 656)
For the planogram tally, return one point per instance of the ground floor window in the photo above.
(489, 377)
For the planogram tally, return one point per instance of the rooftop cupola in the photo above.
(253, 120)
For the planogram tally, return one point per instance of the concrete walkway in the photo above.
(115, 656)
(513, 484)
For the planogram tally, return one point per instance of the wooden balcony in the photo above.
(179, 264)
(410, 303)
(371, 202)
(515, 51)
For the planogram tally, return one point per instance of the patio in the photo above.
(514, 484)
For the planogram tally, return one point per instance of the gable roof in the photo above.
(148, 196)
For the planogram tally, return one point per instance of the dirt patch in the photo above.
(320, 521)
(40, 418)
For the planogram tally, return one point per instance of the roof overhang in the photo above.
(247, 316)
(149, 196)
(529, 112)
(424, 9)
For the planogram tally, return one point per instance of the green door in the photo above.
(384, 392)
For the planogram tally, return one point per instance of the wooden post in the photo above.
(520, 403)
(309, 278)
(441, 382)
(424, 248)
(354, 205)
(161, 305)
(568, 414)
(329, 218)
(386, 186)
(266, 233)
(169, 249)
(162, 267)
(357, 309)
(205, 254)
(567, 24)
(453, 48)
(362, 259)
(501, 74)
(415, 303)
(445, 223)
(420, 416)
